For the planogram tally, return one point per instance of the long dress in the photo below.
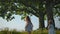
(29, 27)
(51, 29)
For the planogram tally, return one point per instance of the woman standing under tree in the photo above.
(51, 27)
(29, 25)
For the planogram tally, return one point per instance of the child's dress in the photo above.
(29, 27)
(51, 29)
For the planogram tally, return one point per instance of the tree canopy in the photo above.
(28, 7)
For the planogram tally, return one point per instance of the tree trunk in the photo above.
(41, 15)
(41, 22)
(49, 12)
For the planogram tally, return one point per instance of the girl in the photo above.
(51, 27)
(29, 25)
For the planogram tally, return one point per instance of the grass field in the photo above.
(24, 32)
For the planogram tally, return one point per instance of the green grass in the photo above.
(39, 32)
(24, 32)
(57, 31)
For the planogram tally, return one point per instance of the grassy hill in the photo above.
(24, 32)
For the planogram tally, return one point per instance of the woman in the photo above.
(29, 25)
(51, 27)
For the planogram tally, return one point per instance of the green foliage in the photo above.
(57, 9)
(19, 6)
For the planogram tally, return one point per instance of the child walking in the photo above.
(29, 25)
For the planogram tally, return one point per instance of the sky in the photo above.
(19, 24)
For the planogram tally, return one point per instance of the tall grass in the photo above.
(24, 32)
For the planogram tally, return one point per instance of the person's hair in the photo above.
(28, 18)
(50, 21)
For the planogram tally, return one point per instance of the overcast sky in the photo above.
(19, 24)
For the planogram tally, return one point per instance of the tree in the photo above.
(49, 6)
(35, 7)
(28, 7)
